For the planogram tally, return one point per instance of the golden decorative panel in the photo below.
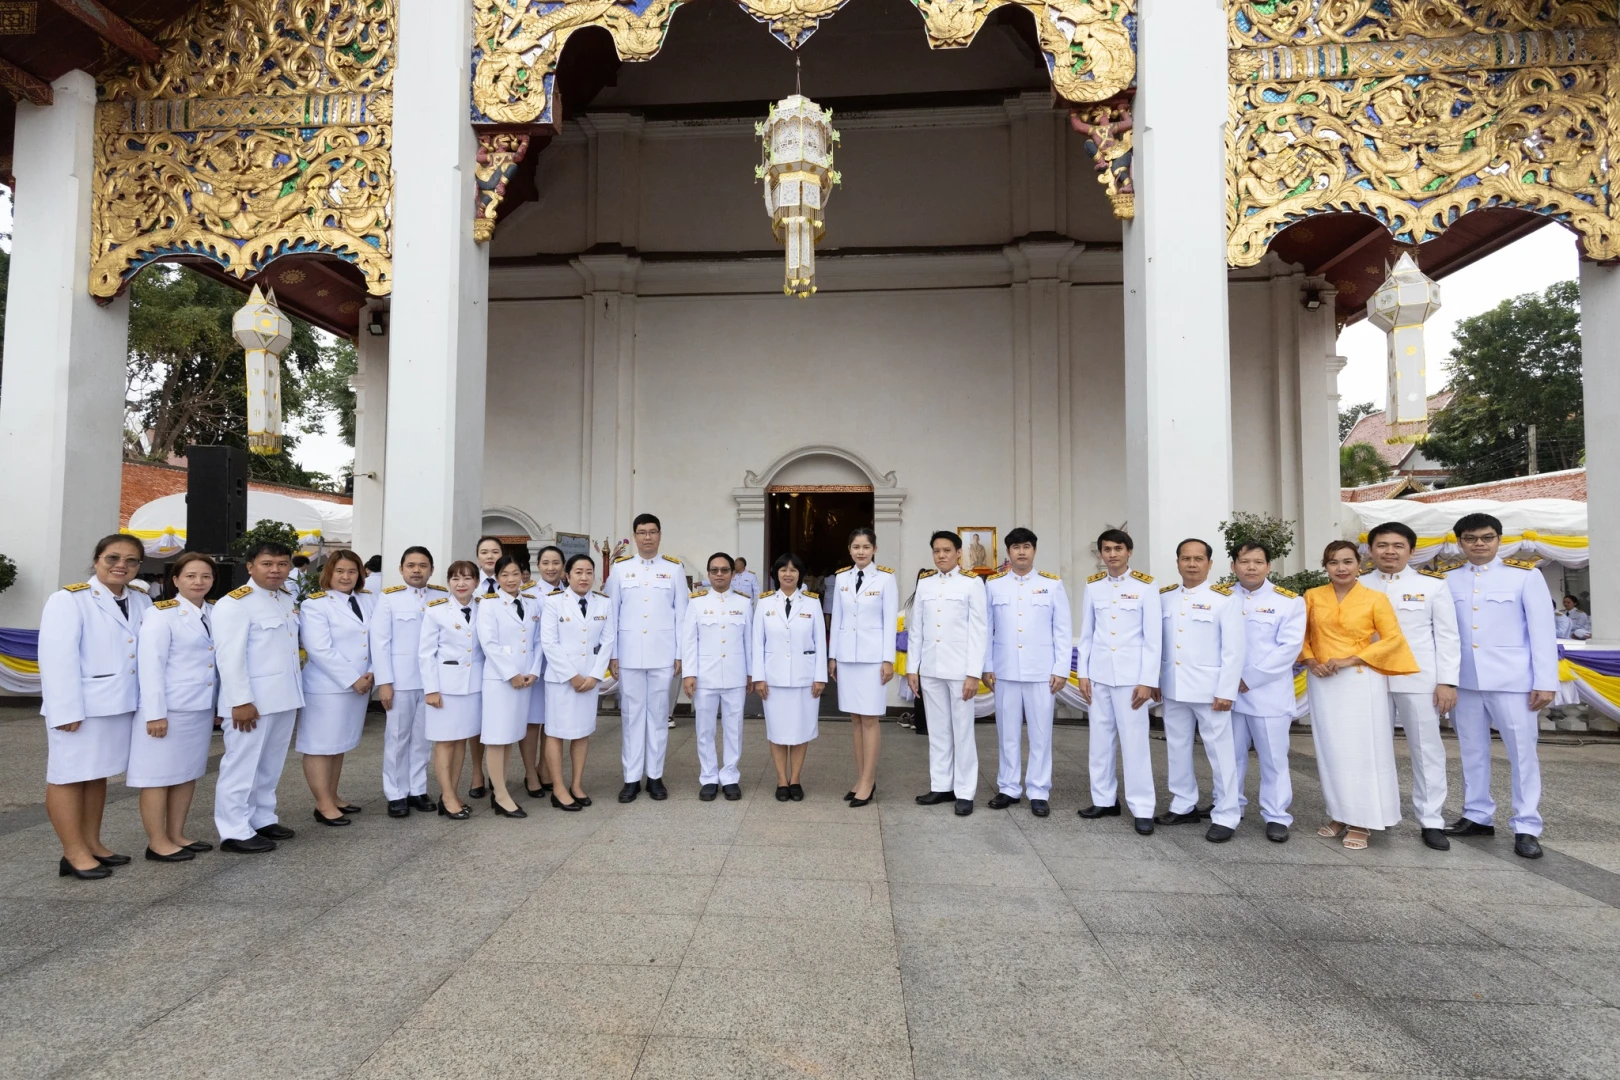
(264, 131)
(1088, 44)
(1416, 112)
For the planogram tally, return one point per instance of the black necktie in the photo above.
(787, 607)
(123, 604)
(860, 576)
(466, 613)
(489, 584)
(582, 605)
(519, 605)
(354, 606)
(206, 628)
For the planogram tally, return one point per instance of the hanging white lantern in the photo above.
(798, 174)
(261, 328)
(1400, 307)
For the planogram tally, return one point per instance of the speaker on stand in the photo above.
(216, 510)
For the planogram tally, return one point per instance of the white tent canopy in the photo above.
(1551, 529)
(160, 525)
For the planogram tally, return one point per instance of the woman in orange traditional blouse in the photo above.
(1353, 643)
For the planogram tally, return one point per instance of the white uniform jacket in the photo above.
(256, 640)
(336, 642)
(716, 636)
(511, 644)
(788, 648)
(949, 630)
(865, 618)
(575, 642)
(649, 602)
(396, 634)
(1274, 634)
(87, 653)
(1427, 613)
(177, 664)
(448, 654)
(1204, 643)
(1120, 630)
(1031, 627)
(1505, 623)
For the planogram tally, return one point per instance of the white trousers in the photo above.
(1508, 711)
(245, 797)
(953, 756)
(728, 703)
(406, 746)
(644, 721)
(1416, 713)
(1269, 737)
(1111, 716)
(1180, 717)
(1018, 703)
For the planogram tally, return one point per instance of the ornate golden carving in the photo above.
(265, 130)
(792, 21)
(1087, 43)
(499, 154)
(1108, 130)
(1316, 22)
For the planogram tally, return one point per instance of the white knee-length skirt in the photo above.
(538, 706)
(860, 689)
(1355, 747)
(569, 713)
(98, 749)
(178, 757)
(506, 713)
(331, 723)
(461, 718)
(791, 714)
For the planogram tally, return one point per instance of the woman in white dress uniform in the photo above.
(88, 680)
(509, 632)
(487, 552)
(790, 657)
(577, 634)
(865, 605)
(174, 727)
(337, 681)
(536, 773)
(452, 665)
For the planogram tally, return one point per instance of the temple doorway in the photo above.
(814, 521)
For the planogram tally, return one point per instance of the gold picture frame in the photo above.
(980, 550)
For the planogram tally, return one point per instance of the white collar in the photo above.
(200, 609)
(1479, 569)
(1200, 587)
(1121, 577)
(1256, 591)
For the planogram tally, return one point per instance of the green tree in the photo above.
(1349, 417)
(1360, 464)
(1516, 365)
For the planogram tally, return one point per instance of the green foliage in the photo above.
(1298, 583)
(1360, 464)
(8, 573)
(1274, 534)
(1516, 365)
(1349, 417)
(271, 532)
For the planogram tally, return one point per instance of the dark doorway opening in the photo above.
(814, 522)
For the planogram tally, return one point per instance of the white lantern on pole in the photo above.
(1400, 307)
(798, 175)
(260, 327)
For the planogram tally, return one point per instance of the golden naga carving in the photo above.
(1495, 106)
(1087, 43)
(499, 155)
(1109, 130)
(265, 130)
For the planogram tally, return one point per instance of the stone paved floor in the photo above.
(758, 939)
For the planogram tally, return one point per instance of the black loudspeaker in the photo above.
(216, 498)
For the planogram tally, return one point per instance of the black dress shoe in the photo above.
(335, 822)
(796, 792)
(1436, 838)
(516, 811)
(113, 860)
(709, 792)
(1219, 834)
(732, 792)
(1040, 807)
(656, 788)
(460, 815)
(422, 803)
(964, 807)
(67, 869)
(349, 808)
(182, 855)
(848, 795)
(199, 846)
(1144, 826)
(276, 831)
(782, 793)
(1001, 800)
(934, 798)
(560, 805)
(629, 792)
(1099, 811)
(547, 789)
(1170, 817)
(1467, 827)
(478, 792)
(253, 845)
(399, 808)
(534, 793)
(1276, 832)
(583, 800)
(1526, 846)
(857, 803)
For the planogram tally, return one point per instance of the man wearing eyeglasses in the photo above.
(1509, 674)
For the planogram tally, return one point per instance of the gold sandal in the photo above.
(1331, 829)
(1355, 839)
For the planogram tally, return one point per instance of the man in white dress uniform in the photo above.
(1274, 633)
(715, 635)
(396, 635)
(946, 640)
(260, 691)
(1424, 607)
(1508, 674)
(649, 597)
(1201, 665)
(743, 581)
(1120, 639)
(1031, 643)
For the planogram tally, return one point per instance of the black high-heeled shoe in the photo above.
(533, 793)
(547, 789)
(560, 805)
(480, 791)
(796, 792)
(182, 855)
(113, 860)
(349, 808)
(853, 802)
(781, 793)
(67, 869)
(460, 815)
(199, 846)
(335, 822)
(503, 811)
(848, 795)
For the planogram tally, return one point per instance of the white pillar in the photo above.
(370, 386)
(1178, 425)
(62, 402)
(1319, 366)
(1600, 370)
(440, 311)
(610, 393)
(1040, 385)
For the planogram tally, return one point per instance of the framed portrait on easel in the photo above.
(979, 552)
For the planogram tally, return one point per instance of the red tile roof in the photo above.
(145, 481)
(1566, 484)
(1394, 442)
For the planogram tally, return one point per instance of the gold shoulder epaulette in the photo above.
(993, 577)
(1096, 577)
(598, 592)
(318, 594)
(237, 594)
(367, 592)
(697, 593)
(165, 605)
(1169, 588)
(671, 558)
(440, 600)
(138, 586)
(767, 592)
(487, 596)
(885, 569)
(438, 588)
(1280, 591)
(1224, 590)
(1049, 574)
(1433, 574)
(1522, 564)
(392, 589)
(927, 574)
(624, 558)
(811, 595)
(1447, 567)
(558, 589)
(526, 585)
(840, 570)
(1146, 579)
(78, 586)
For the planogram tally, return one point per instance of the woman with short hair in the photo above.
(535, 767)
(865, 606)
(789, 658)
(508, 632)
(577, 634)
(487, 553)
(452, 665)
(337, 681)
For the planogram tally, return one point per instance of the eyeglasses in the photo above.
(114, 560)
(1477, 538)
(647, 532)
